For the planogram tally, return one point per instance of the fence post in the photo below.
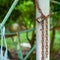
(44, 5)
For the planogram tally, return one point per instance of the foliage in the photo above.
(27, 13)
(55, 25)
(23, 13)
(55, 19)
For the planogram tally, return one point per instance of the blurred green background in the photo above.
(24, 16)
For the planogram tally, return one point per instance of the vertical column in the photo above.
(45, 7)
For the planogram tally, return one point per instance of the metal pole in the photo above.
(44, 5)
(55, 2)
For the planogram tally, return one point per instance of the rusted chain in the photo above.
(43, 40)
(43, 17)
(46, 38)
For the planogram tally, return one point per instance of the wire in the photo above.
(55, 2)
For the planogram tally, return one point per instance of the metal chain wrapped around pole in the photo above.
(41, 20)
(43, 40)
(47, 38)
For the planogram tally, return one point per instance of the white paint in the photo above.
(44, 5)
(25, 45)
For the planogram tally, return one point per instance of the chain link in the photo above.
(43, 40)
(46, 38)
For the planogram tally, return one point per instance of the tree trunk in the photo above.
(52, 43)
(52, 40)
